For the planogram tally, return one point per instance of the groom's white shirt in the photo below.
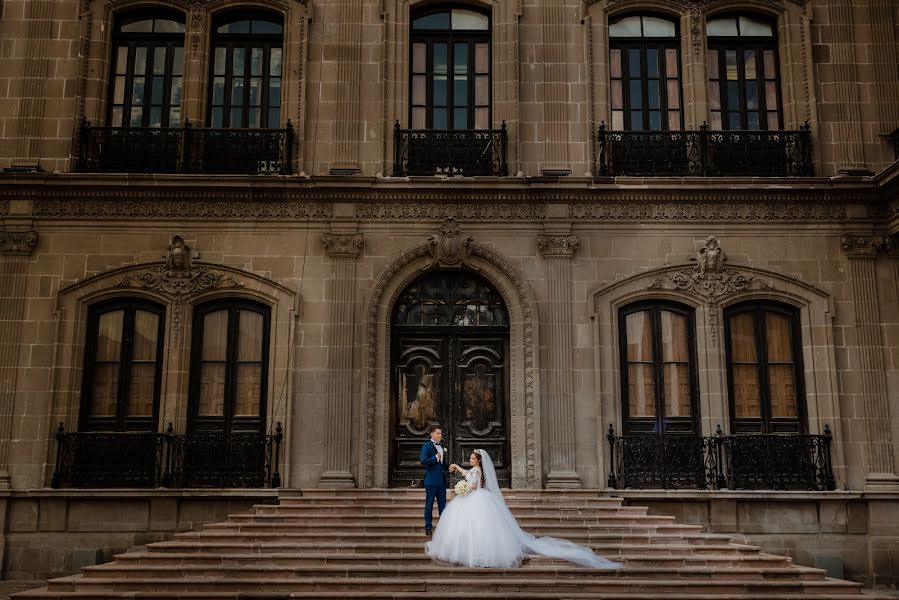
(439, 451)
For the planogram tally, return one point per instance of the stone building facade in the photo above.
(452, 212)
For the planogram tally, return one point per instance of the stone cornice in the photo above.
(343, 245)
(557, 246)
(865, 246)
(20, 243)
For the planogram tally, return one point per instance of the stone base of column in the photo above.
(882, 482)
(563, 480)
(336, 480)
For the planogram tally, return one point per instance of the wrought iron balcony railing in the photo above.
(705, 153)
(186, 150)
(737, 462)
(146, 460)
(451, 152)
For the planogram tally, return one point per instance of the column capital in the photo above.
(557, 246)
(865, 246)
(339, 245)
(21, 243)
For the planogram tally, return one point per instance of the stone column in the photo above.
(15, 247)
(343, 249)
(559, 400)
(851, 158)
(196, 67)
(883, 49)
(554, 89)
(862, 251)
(345, 42)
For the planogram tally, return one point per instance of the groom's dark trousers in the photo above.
(434, 482)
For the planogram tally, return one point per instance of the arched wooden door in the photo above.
(449, 365)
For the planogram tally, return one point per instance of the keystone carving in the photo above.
(450, 247)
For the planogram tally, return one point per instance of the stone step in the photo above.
(456, 581)
(304, 559)
(368, 493)
(364, 508)
(350, 547)
(527, 521)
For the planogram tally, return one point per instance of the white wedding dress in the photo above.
(479, 530)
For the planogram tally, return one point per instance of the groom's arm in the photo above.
(426, 460)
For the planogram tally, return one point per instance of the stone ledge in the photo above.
(745, 495)
(113, 494)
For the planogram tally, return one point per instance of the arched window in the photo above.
(122, 366)
(764, 368)
(450, 69)
(147, 67)
(744, 79)
(246, 71)
(229, 366)
(659, 382)
(645, 73)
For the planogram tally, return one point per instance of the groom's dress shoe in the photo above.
(429, 531)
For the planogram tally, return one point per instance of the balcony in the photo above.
(186, 150)
(148, 460)
(736, 462)
(453, 152)
(705, 153)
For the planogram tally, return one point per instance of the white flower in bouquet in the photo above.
(462, 488)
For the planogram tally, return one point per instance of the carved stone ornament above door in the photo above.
(450, 248)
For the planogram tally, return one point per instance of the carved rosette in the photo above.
(343, 245)
(865, 246)
(557, 246)
(21, 243)
(450, 247)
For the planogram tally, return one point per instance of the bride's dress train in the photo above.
(479, 530)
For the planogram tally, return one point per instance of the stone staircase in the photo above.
(369, 544)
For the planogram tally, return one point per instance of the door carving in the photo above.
(449, 366)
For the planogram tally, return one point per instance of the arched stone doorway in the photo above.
(449, 365)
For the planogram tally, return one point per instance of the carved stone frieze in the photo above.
(4, 208)
(557, 246)
(443, 211)
(343, 245)
(748, 212)
(450, 247)
(709, 278)
(152, 209)
(865, 246)
(18, 242)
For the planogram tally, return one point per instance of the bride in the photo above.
(479, 530)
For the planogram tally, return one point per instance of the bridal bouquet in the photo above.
(462, 488)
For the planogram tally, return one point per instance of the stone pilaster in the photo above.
(343, 249)
(15, 247)
(33, 98)
(883, 49)
(847, 133)
(869, 366)
(554, 89)
(558, 250)
(348, 47)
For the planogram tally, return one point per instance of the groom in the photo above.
(436, 475)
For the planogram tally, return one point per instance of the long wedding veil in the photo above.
(544, 546)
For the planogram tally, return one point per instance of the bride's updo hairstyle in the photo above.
(480, 466)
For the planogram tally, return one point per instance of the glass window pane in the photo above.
(275, 59)
(217, 117)
(256, 61)
(773, 121)
(633, 63)
(770, 65)
(655, 120)
(177, 60)
(641, 390)
(175, 96)
(215, 335)
(780, 337)
(482, 59)
(752, 96)
(253, 116)
(746, 391)
(118, 93)
(159, 65)
(137, 90)
(117, 115)
(782, 389)
(677, 390)
(156, 90)
(752, 28)
(749, 64)
(615, 63)
(274, 117)
(137, 116)
(418, 118)
(144, 26)
(722, 28)
(155, 117)
(140, 60)
(770, 95)
(439, 118)
(141, 390)
(470, 20)
(109, 336)
(659, 28)
(482, 118)
(236, 118)
(637, 120)
(438, 94)
(673, 94)
(672, 66)
(237, 92)
(636, 93)
(733, 121)
(674, 122)
(742, 338)
(460, 118)
(237, 61)
(460, 59)
(716, 121)
(482, 91)
(712, 60)
(674, 337)
(714, 95)
(639, 337)
(433, 21)
(752, 121)
(730, 62)
(255, 96)
(121, 63)
(419, 57)
(652, 63)
(460, 92)
(105, 392)
(419, 90)
(175, 117)
(220, 64)
(274, 92)
(440, 59)
(250, 336)
(248, 389)
(168, 26)
(218, 91)
(733, 95)
(235, 27)
(617, 94)
(653, 96)
(212, 390)
(624, 28)
(265, 27)
(617, 120)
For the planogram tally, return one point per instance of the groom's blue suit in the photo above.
(436, 478)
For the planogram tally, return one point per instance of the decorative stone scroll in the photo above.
(557, 246)
(178, 276)
(450, 247)
(343, 245)
(865, 246)
(18, 242)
